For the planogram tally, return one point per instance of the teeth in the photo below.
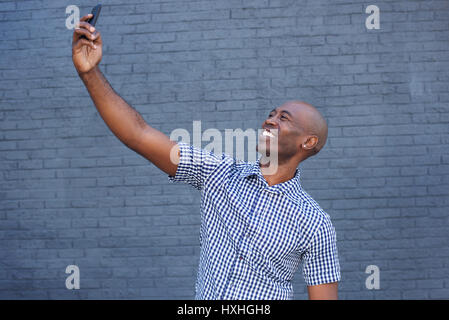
(267, 134)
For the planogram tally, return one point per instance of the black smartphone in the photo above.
(96, 12)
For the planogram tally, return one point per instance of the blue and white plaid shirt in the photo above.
(254, 236)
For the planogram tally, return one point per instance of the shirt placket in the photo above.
(241, 262)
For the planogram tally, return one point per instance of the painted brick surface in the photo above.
(71, 193)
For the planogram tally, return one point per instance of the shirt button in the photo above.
(241, 257)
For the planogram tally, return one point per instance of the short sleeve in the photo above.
(195, 165)
(321, 264)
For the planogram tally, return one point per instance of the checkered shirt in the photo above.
(254, 236)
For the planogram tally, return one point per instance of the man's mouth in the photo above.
(267, 133)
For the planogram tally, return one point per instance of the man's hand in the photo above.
(327, 291)
(86, 52)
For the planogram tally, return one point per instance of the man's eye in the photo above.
(283, 117)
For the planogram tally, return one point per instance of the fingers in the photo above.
(87, 16)
(86, 25)
(83, 24)
(87, 34)
(86, 31)
(83, 42)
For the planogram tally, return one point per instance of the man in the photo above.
(256, 226)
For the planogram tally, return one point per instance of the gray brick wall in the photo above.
(71, 193)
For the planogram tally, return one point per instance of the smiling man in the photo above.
(257, 226)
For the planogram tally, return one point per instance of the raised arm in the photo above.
(122, 119)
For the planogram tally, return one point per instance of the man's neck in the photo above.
(284, 172)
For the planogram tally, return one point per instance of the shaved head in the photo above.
(310, 121)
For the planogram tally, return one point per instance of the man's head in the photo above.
(300, 129)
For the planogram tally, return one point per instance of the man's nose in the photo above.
(271, 121)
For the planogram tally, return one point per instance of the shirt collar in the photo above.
(291, 188)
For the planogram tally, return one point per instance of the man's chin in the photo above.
(263, 150)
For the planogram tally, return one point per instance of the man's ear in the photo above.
(310, 143)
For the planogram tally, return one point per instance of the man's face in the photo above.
(282, 124)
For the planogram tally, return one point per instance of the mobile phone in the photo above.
(95, 12)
